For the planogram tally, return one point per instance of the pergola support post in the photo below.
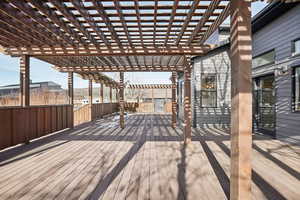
(101, 93)
(241, 100)
(187, 103)
(71, 94)
(25, 81)
(90, 90)
(121, 100)
(174, 102)
(25, 86)
(110, 99)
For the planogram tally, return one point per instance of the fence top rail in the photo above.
(33, 106)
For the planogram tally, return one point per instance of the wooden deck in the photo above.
(146, 160)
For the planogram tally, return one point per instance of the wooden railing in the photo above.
(146, 107)
(101, 109)
(84, 114)
(20, 124)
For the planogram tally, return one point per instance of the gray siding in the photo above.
(218, 63)
(287, 121)
(278, 35)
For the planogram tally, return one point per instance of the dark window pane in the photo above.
(208, 90)
(296, 47)
(209, 98)
(208, 82)
(264, 59)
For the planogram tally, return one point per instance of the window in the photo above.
(296, 47)
(264, 59)
(208, 90)
(296, 88)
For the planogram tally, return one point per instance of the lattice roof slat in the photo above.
(110, 35)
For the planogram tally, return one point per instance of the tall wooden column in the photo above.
(187, 103)
(110, 98)
(101, 93)
(71, 88)
(121, 100)
(91, 99)
(117, 94)
(71, 95)
(174, 102)
(241, 100)
(25, 80)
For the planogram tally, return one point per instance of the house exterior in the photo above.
(276, 76)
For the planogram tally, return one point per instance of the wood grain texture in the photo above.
(22, 124)
(145, 160)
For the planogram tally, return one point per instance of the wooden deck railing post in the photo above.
(101, 93)
(241, 100)
(70, 88)
(187, 103)
(152, 96)
(174, 102)
(25, 80)
(25, 90)
(110, 98)
(91, 100)
(71, 95)
(121, 100)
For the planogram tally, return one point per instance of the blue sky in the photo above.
(41, 71)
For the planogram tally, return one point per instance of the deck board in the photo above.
(146, 160)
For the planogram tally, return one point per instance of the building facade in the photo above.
(276, 76)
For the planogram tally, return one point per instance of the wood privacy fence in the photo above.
(85, 114)
(101, 109)
(82, 115)
(21, 124)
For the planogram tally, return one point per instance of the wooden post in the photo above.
(91, 99)
(241, 100)
(117, 94)
(152, 95)
(121, 100)
(174, 103)
(25, 81)
(110, 99)
(71, 94)
(70, 88)
(25, 89)
(187, 103)
(101, 93)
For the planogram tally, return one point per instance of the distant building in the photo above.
(14, 90)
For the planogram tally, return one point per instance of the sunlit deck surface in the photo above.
(146, 160)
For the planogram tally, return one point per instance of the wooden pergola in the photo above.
(89, 37)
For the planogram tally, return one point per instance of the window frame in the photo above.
(294, 47)
(294, 90)
(209, 90)
(266, 52)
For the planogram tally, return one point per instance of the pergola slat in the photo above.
(25, 8)
(125, 33)
(187, 20)
(62, 8)
(212, 6)
(44, 8)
